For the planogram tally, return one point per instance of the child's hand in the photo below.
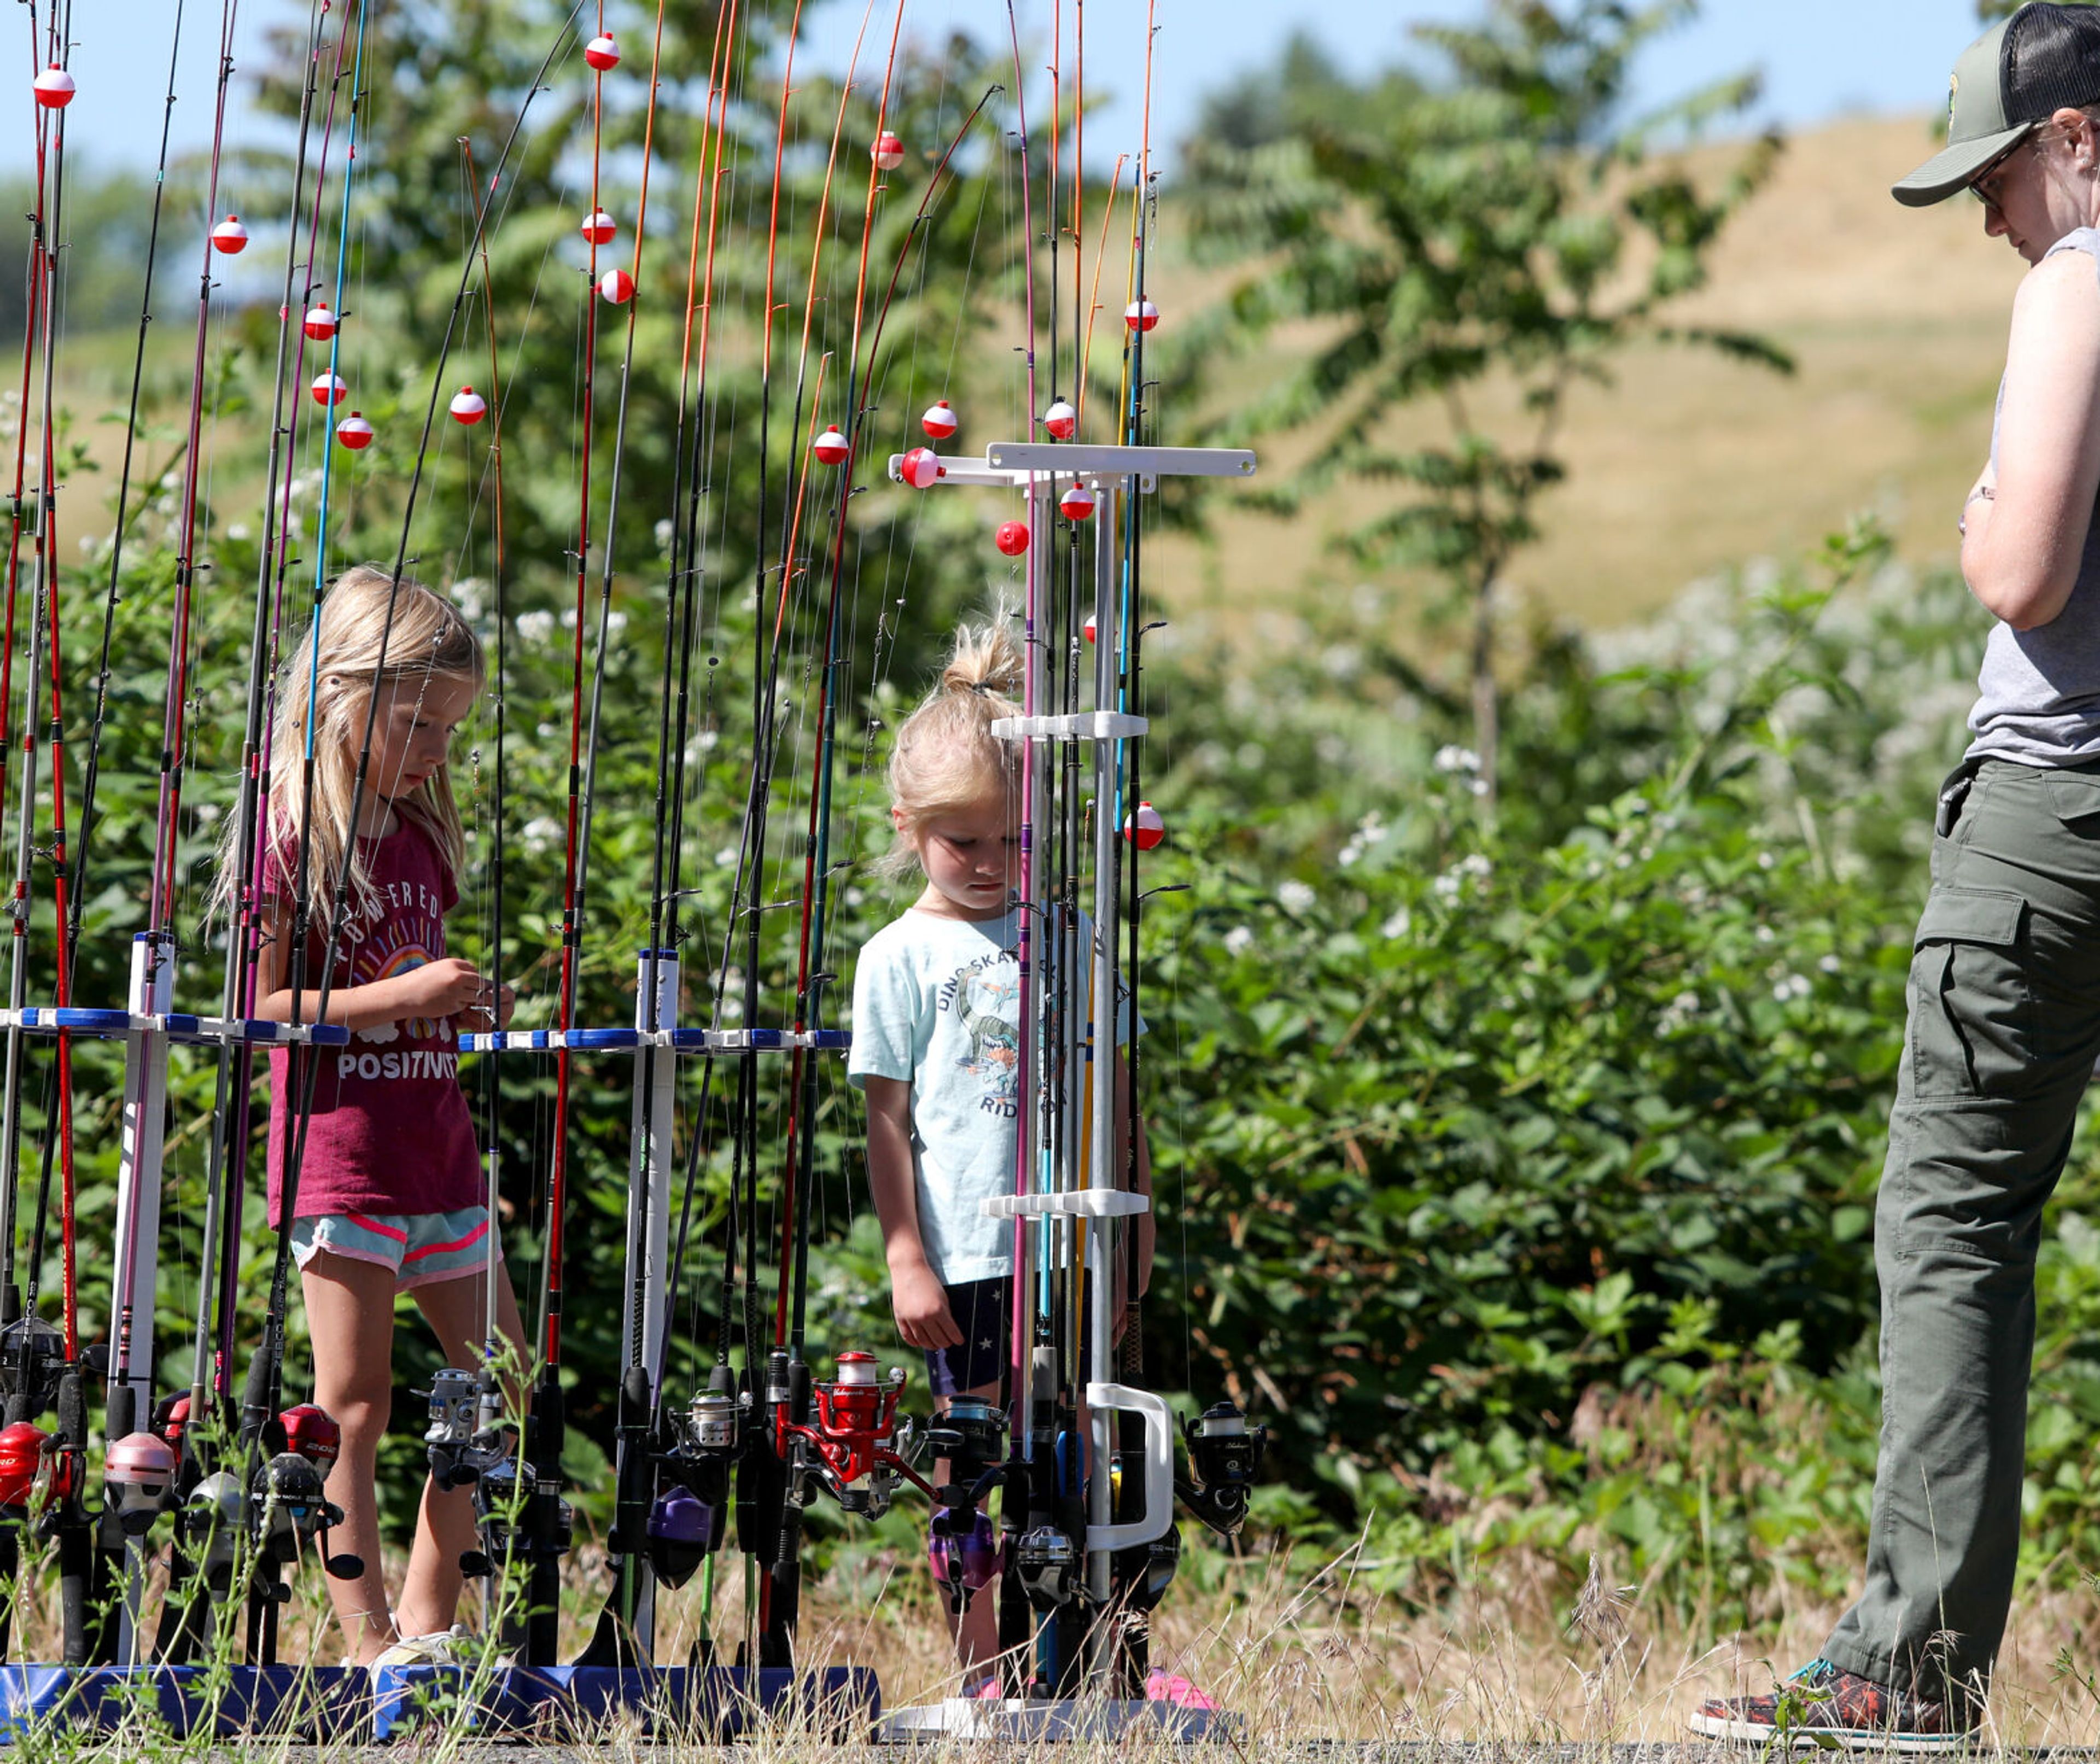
(479, 1016)
(443, 988)
(921, 1305)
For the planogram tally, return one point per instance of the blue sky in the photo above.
(1821, 58)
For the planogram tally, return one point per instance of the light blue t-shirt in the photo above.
(936, 1004)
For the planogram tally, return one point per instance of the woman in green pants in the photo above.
(2004, 983)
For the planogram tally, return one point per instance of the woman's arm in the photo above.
(2025, 542)
(916, 1296)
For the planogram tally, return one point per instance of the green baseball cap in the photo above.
(2012, 78)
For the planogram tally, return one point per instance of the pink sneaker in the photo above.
(988, 1690)
(1161, 1687)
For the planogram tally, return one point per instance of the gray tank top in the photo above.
(2039, 689)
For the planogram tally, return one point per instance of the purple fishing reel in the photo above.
(965, 1553)
(684, 1531)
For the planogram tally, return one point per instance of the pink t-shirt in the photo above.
(390, 1132)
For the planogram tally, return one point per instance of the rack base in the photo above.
(713, 1704)
(1023, 1720)
(219, 1702)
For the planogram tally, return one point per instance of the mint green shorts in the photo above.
(420, 1248)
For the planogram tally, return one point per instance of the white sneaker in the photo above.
(454, 1646)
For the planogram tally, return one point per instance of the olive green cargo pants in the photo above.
(2004, 1029)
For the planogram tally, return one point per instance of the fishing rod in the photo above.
(615, 1641)
(65, 1519)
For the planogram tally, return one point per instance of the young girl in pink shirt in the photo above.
(390, 1195)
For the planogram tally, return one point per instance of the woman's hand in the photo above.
(921, 1305)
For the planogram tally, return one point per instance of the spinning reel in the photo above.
(687, 1522)
(467, 1437)
(1225, 1459)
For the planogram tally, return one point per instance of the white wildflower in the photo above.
(538, 836)
(1238, 940)
(1398, 925)
(1829, 964)
(536, 626)
(1454, 758)
(1295, 896)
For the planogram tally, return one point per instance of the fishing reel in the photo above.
(972, 1437)
(32, 1471)
(688, 1520)
(209, 1525)
(856, 1441)
(467, 1438)
(502, 1493)
(1047, 1563)
(137, 1485)
(1224, 1458)
(963, 1550)
(32, 1361)
(290, 1510)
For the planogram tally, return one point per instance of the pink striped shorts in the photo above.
(420, 1248)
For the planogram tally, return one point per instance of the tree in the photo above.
(1500, 226)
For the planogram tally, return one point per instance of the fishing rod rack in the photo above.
(1083, 1554)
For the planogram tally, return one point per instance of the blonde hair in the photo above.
(945, 756)
(334, 667)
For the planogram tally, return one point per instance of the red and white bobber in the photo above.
(921, 469)
(599, 227)
(468, 406)
(1141, 315)
(1092, 631)
(888, 152)
(1061, 421)
(1144, 829)
(1012, 537)
(602, 53)
(831, 448)
(355, 432)
(328, 389)
(941, 420)
(230, 236)
(1077, 504)
(617, 286)
(320, 322)
(54, 87)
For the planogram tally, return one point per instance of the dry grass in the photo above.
(1519, 1657)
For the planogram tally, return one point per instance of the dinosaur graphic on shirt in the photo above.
(985, 1006)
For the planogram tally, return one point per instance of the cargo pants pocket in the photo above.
(1971, 999)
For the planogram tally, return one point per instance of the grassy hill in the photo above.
(1897, 319)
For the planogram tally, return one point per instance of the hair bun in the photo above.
(985, 659)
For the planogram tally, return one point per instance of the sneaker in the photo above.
(1161, 1687)
(445, 1647)
(1823, 1703)
(988, 1690)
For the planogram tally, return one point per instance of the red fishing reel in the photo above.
(855, 1438)
(26, 1452)
(312, 1432)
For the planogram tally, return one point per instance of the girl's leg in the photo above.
(974, 1631)
(455, 1310)
(349, 1313)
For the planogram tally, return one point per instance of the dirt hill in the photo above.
(1897, 319)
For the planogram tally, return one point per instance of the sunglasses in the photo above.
(1984, 185)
